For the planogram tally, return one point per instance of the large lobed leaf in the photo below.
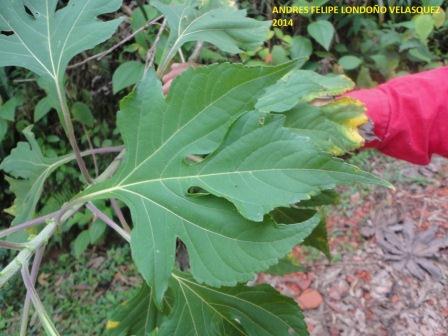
(199, 310)
(253, 311)
(45, 41)
(260, 166)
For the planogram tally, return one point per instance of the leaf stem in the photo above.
(54, 218)
(151, 55)
(101, 215)
(27, 224)
(120, 215)
(24, 255)
(38, 305)
(27, 304)
(11, 245)
(69, 130)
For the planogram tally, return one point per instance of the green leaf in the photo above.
(279, 55)
(284, 266)
(386, 63)
(332, 127)
(424, 25)
(137, 317)
(322, 31)
(3, 129)
(318, 238)
(301, 48)
(300, 86)
(127, 74)
(82, 113)
(350, 62)
(158, 197)
(43, 107)
(439, 18)
(138, 20)
(46, 41)
(81, 243)
(96, 230)
(242, 310)
(364, 80)
(264, 167)
(8, 109)
(30, 169)
(326, 197)
(47, 103)
(227, 28)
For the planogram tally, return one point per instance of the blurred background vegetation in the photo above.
(370, 49)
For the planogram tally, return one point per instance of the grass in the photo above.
(79, 294)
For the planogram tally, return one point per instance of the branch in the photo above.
(196, 52)
(102, 150)
(11, 245)
(24, 255)
(27, 304)
(151, 55)
(119, 213)
(99, 214)
(27, 224)
(100, 55)
(40, 309)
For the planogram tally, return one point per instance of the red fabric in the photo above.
(410, 115)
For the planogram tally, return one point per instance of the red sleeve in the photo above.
(410, 115)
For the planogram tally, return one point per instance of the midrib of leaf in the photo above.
(70, 32)
(148, 311)
(234, 297)
(55, 74)
(193, 119)
(181, 284)
(161, 180)
(189, 309)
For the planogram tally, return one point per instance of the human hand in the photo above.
(176, 70)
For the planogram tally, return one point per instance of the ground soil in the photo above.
(361, 292)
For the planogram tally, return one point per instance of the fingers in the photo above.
(176, 70)
(166, 87)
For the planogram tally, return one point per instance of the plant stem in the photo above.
(120, 215)
(108, 51)
(102, 150)
(151, 55)
(196, 52)
(40, 309)
(27, 224)
(26, 306)
(70, 132)
(54, 219)
(89, 142)
(11, 245)
(24, 255)
(98, 213)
